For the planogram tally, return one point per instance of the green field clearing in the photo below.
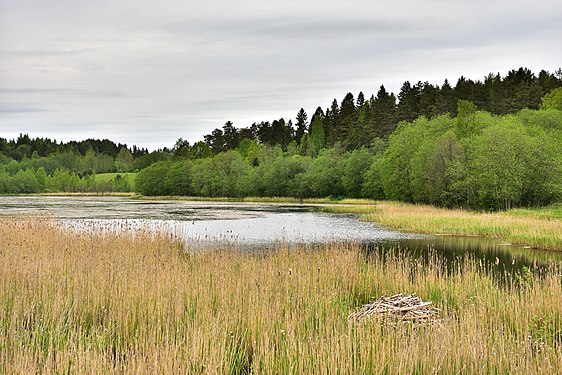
(108, 177)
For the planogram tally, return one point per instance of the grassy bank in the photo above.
(288, 200)
(134, 303)
(110, 177)
(537, 228)
(84, 194)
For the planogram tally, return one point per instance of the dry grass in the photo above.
(139, 304)
(525, 227)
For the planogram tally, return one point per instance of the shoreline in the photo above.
(536, 228)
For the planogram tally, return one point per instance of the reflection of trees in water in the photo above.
(497, 259)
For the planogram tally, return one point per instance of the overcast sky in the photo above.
(147, 72)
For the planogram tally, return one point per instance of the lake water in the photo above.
(253, 226)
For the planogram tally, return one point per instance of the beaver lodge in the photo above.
(397, 308)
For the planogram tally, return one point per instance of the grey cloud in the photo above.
(299, 28)
(44, 53)
(67, 91)
(10, 109)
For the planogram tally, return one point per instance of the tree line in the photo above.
(29, 181)
(26, 147)
(356, 122)
(476, 160)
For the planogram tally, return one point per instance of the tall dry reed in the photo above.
(137, 303)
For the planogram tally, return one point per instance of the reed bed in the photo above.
(534, 228)
(138, 303)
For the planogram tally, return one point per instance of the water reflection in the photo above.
(494, 255)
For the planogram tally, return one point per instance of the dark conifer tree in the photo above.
(359, 134)
(265, 133)
(331, 123)
(348, 117)
(446, 102)
(408, 105)
(318, 113)
(231, 136)
(302, 125)
(281, 134)
(494, 87)
(428, 100)
(246, 133)
(383, 114)
(360, 99)
(215, 140)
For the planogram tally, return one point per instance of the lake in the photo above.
(251, 225)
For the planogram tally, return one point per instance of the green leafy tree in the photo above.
(372, 183)
(200, 150)
(24, 182)
(498, 166)
(552, 100)
(317, 136)
(124, 160)
(466, 121)
(4, 182)
(178, 181)
(447, 155)
(41, 177)
(323, 178)
(150, 181)
(354, 169)
(224, 175)
(278, 175)
(395, 164)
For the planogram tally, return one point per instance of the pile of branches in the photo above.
(397, 308)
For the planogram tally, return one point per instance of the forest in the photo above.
(491, 144)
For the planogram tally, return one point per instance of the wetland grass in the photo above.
(281, 200)
(540, 228)
(137, 303)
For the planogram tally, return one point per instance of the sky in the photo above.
(148, 72)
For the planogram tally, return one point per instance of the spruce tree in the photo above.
(302, 124)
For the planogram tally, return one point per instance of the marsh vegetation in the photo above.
(536, 228)
(139, 303)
